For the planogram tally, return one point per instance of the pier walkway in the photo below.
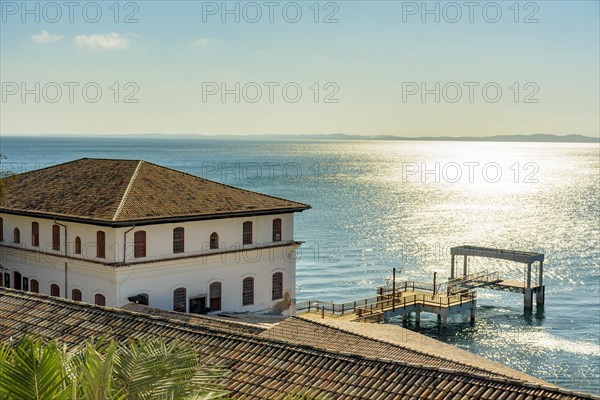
(403, 299)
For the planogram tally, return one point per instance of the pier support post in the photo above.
(541, 291)
(465, 268)
(417, 317)
(540, 296)
(452, 267)
(528, 291)
(404, 317)
(444, 319)
(528, 298)
(473, 311)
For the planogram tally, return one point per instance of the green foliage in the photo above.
(105, 370)
(32, 370)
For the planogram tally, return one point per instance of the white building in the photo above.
(113, 231)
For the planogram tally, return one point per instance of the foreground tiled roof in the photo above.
(263, 368)
(115, 191)
(325, 337)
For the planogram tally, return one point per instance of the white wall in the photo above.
(160, 279)
(87, 234)
(158, 274)
(159, 237)
(48, 269)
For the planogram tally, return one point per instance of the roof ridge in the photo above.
(173, 315)
(15, 293)
(129, 186)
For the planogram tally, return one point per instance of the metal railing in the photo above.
(330, 308)
(484, 276)
(404, 296)
(410, 285)
(395, 302)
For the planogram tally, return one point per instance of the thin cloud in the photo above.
(201, 42)
(46, 37)
(105, 41)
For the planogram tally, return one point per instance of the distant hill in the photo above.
(539, 137)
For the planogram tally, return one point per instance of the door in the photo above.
(198, 305)
(18, 280)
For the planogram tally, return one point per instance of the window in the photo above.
(77, 245)
(247, 236)
(34, 286)
(56, 237)
(100, 244)
(178, 243)
(277, 229)
(247, 291)
(25, 283)
(17, 235)
(1, 230)
(214, 241)
(18, 280)
(99, 300)
(7, 280)
(179, 298)
(35, 234)
(139, 247)
(76, 294)
(214, 294)
(277, 289)
(54, 290)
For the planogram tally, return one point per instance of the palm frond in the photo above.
(93, 368)
(105, 370)
(33, 370)
(153, 369)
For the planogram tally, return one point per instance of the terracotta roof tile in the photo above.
(302, 331)
(114, 191)
(260, 367)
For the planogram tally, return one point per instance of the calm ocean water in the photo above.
(380, 205)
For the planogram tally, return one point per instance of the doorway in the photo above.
(198, 305)
(18, 279)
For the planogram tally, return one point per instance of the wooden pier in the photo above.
(403, 299)
(456, 296)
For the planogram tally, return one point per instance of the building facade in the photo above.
(113, 231)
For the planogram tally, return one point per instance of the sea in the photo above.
(380, 205)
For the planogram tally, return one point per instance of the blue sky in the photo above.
(378, 67)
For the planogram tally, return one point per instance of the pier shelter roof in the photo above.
(524, 257)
